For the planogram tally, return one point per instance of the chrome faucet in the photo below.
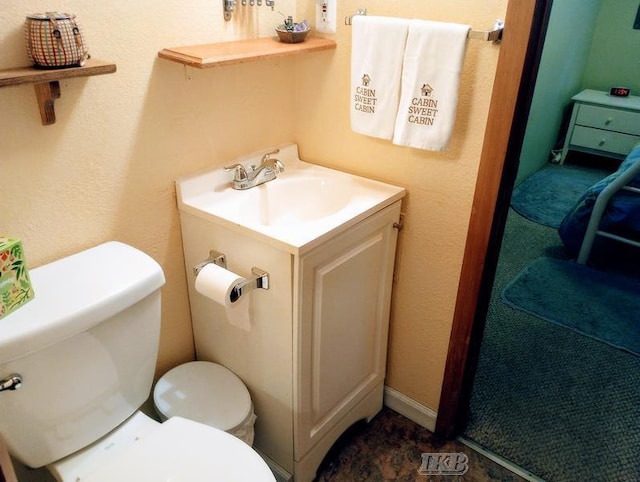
(268, 170)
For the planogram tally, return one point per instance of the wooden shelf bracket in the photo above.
(47, 93)
(46, 82)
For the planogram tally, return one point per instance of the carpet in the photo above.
(559, 404)
(548, 195)
(597, 304)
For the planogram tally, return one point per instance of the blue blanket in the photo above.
(621, 217)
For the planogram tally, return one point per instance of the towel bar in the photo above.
(494, 35)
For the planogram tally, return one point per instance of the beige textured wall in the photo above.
(105, 170)
(440, 185)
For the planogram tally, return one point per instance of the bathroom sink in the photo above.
(302, 205)
(291, 199)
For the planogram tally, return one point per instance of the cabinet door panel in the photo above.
(345, 328)
(344, 315)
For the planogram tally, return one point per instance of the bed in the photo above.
(609, 209)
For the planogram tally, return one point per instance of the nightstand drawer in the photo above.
(609, 119)
(603, 140)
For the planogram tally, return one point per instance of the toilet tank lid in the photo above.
(75, 293)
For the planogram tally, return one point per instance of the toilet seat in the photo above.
(182, 450)
(205, 392)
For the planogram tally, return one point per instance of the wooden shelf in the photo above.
(240, 51)
(32, 75)
(47, 82)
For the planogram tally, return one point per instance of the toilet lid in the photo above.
(182, 450)
(205, 392)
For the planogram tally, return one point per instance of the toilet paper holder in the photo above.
(215, 257)
(260, 277)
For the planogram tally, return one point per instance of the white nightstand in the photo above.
(604, 125)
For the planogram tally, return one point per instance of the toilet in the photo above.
(81, 357)
(208, 393)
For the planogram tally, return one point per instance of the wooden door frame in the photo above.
(525, 27)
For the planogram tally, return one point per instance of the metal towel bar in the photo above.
(494, 35)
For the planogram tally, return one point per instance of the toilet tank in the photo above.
(85, 347)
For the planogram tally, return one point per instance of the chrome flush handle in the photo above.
(12, 382)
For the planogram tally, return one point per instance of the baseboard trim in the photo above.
(407, 407)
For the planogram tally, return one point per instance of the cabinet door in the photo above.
(343, 325)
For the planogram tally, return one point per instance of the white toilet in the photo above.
(84, 352)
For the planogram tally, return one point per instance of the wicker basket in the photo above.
(54, 40)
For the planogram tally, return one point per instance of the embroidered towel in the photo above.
(433, 60)
(376, 66)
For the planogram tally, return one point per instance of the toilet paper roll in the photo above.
(216, 283)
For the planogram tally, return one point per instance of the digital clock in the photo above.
(619, 91)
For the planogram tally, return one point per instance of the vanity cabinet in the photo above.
(603, 125)
(314, 359)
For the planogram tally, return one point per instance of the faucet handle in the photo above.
(239, 172)
(276, 165)
(268, 154)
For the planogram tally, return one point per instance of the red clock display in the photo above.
(619, 91)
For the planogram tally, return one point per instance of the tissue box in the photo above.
(15, 285)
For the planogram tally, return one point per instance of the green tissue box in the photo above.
(15, 285)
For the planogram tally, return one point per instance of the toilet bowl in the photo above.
(207, 393)
(84, 352)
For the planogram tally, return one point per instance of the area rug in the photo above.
(597, 304)
(548, 195)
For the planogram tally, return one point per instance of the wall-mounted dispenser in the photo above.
(326, 14)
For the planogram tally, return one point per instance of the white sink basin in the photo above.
(302, 205)
(292, 199)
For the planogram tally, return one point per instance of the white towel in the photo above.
(433, 60)
(376, 66)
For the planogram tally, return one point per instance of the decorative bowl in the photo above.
(291, 37)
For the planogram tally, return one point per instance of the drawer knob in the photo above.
(608, 121)
(602, 142)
